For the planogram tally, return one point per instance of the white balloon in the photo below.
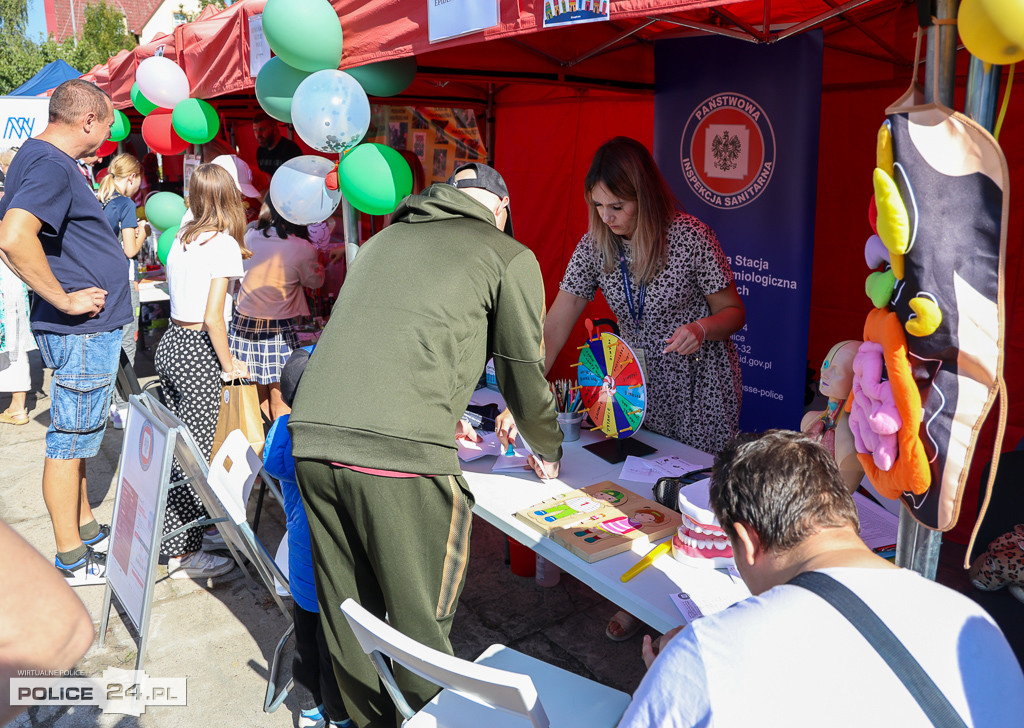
(298, 191)
(330, 111)
(162, 81)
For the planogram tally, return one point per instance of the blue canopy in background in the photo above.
(49, 77)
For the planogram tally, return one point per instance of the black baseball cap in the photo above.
(487, 178)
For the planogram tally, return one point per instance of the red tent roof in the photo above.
(214, 49)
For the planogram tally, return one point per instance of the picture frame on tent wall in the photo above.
(558, 13)
(452, 18)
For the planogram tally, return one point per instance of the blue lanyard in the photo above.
(635, 313)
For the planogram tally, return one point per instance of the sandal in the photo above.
(622, 626)
(17, 417)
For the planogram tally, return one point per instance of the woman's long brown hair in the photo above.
(628, 171)
(216, 206)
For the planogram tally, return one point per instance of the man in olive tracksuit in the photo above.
(427, 301)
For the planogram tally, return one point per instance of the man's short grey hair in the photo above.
(76, 97)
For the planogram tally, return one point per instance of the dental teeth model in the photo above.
(700, 541)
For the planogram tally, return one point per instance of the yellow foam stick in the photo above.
(927, 319)
(883, 150)
(896, 261)
(893, 224)
(661, 548)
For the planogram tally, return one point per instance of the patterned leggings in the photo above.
(190, 377)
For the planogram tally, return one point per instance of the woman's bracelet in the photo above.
(704, 332)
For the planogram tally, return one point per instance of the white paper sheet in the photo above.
(488, 445)
(711, 594)
(517, 460)
(648, 471)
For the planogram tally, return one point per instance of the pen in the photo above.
(647, 560)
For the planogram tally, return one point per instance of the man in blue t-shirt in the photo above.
(54, 235)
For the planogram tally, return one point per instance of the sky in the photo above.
(36, 20)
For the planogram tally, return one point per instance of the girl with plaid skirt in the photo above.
(271, 299)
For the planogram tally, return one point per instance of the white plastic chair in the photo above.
(501, 688)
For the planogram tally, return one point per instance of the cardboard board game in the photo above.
(600, 520)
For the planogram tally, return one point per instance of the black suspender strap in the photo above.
(935, 705)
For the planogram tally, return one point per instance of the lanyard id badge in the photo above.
(635, 312)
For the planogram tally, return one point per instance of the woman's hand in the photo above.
(239, 370)
(686, 339)
(505, 427)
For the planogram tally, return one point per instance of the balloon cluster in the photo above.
(330, 111)
(993, 30)
(164, 210)
(173, 119)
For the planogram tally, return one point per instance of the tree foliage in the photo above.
(104, 33)
(201, 6)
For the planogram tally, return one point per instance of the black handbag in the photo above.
(666, 490)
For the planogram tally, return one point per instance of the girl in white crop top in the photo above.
(193, 358)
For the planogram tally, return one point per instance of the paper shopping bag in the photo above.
(240, 410)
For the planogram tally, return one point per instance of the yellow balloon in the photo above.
(883, 150)
(140, 212)
(983, 36)
(1008, 16)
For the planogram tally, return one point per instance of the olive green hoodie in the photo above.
(425, 303)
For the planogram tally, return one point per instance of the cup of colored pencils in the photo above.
(569, 406)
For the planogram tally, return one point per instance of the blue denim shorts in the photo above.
(84, 369)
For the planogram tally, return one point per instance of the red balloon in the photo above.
(160, 135)
(873, 215)
(106, 149)
(103, 173)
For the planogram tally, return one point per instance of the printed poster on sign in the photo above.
(452, 18)
(134, 534)
(572, 12)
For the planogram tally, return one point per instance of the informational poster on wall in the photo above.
(572, 12)
(738, 143)
(135, 534)
(259, 49)
(441, 138)
(452, 18)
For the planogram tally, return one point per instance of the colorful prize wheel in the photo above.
(612, 385)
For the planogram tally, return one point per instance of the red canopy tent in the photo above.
(550, 97)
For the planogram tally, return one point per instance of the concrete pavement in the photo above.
(221, 635)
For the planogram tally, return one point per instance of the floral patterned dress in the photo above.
(693, 398)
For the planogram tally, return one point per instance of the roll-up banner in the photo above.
(736, 136)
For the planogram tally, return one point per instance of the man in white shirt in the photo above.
(785, 656)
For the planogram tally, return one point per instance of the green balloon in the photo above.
(140, 102)
(163, 245)
(165, 210)
(195, 121)
(374, 178)
(385, 78)
(306, 34)
(121, 127)
(275, 86)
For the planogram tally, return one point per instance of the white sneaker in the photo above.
(213, 541)
(117, 418)
(88, 570)
(198, 565)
